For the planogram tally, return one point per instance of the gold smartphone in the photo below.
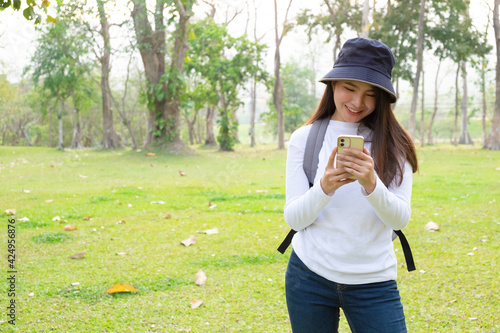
(350, 141)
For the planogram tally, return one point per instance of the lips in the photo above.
(355, 113)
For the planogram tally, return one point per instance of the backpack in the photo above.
(310, 165)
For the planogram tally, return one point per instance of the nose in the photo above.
(358, 100)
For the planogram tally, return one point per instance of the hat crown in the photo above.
(368, 53)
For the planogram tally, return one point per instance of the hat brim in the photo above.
(361, 74)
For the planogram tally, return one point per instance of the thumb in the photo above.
(331, 160)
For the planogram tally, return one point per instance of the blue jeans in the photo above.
(313, 303)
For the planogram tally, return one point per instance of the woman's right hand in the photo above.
(334, 178)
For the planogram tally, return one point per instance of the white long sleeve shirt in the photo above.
(345, 237)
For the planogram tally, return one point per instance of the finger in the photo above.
(331, 160)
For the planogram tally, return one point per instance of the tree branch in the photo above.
(284, 22)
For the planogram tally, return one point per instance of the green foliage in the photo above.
(31, 10)
(298, 101)
(59, 63)
(221, 64)
(347, 15)
(397, 28)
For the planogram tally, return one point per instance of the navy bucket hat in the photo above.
(365, 60)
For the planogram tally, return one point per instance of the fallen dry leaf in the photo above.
(261, 191)
(200, 278)
(49, 201)
(26, 191)
(87, 218)
(182, 173)
(10, 212)
(150, 154)
(153, 165)
(190, 241)
(56, 218)
(121, 222)
(209, 231)
(78, 255)
(431, 226)
(195, 303)
(168, 216)
(121, 288)
(121, 253)
(69, 227)
(31, 294)
(211, 205)
(83, 176)
(75, 284)
(24, 219)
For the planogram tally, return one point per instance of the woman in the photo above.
(343, 255)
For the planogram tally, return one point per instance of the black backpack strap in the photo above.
(410, 264)
(310, 164)
(286, 242)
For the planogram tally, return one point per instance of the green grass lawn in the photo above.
(455, 288)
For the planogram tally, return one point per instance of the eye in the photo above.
(348, 89)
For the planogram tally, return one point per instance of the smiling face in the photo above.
(354, 100)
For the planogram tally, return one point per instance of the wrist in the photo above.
(370, 187)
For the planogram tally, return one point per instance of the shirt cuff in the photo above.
(377, 187)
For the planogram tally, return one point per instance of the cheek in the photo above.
(371, 104)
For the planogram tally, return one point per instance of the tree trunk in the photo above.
(455, 123)
(131, 132)
(110, 138)
(60, 144)
(210, 139)
(234, 117)
(77, 134)
(483, 97)
(464, 136)
(365, 21)
(422, 124)
(278, 84)
(152, 48)
(191, 127)
(253, 93)
(420, 49)
(430, 139)
(493, 141)
(171, 112)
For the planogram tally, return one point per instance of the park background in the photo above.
(122, 209)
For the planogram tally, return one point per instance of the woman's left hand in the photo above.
(361, 165)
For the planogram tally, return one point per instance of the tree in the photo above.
(164, 84)
(298, 101)
(420, 49)
(334, 19)
(396, 28)
(278, 84)
(365, 23)
(253, 89)
(59, 65)
(110, 138)
(493, 140)
(221, 64)
(31, 10)
(18, 124)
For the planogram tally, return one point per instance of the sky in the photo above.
(17, 38)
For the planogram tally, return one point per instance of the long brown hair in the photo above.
(391, 143)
